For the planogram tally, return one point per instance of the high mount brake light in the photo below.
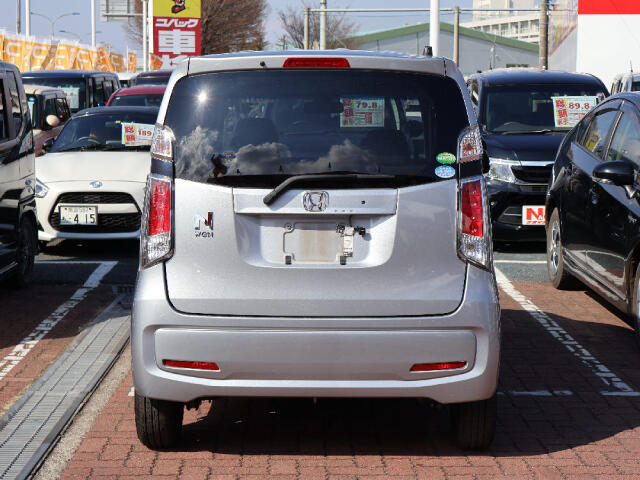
(313, 62)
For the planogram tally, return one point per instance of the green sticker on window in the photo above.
(446, 158)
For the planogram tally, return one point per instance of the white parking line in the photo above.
(619, 388)
(21, 350)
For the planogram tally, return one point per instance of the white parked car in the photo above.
(91, 183)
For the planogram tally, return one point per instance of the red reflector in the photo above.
(194, 365)
(312, 62)
(159, 207)
(472, 215)
(430, 367)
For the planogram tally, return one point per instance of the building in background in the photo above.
(478, 51)
(523, 26)
(595, 36)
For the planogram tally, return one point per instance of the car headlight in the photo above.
(500, 169)
(41, 189)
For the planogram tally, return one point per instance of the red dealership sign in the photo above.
(175, 38)
(609, 7)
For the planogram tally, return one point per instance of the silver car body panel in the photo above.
(312, 356)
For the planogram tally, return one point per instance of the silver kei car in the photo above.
(316, 225)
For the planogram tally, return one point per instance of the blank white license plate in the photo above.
(533, 214)
(78, 215)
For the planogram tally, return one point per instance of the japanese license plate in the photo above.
(78, 215)
(533, 214)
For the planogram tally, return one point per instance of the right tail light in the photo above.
(474, 223)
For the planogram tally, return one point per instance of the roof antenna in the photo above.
(427, 51)
(631, 65)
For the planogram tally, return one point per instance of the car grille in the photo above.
(95, 197)
(107, 222)
(511, 215)
(532, 174)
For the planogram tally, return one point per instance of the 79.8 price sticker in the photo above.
(362, 112)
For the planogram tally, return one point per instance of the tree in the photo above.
(233, 25)
(339, 29)
(227, 25)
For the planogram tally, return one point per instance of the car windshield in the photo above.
(73, 88)
(256, 128)
(140, 100)
(153, 80)
(118, 131)
(635, 86)
(537, 108)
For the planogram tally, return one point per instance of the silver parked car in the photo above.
(316, 225)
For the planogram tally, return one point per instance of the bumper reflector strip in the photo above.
(431, 367)
(195, 365)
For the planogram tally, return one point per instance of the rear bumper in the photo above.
(316, 357)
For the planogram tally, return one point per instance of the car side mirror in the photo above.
(617, 172)
(52, 120)
(47, 144)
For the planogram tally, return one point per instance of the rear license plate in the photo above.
(78, 215)
(533, 214)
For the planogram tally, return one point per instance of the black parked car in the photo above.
(18, 233)
(593, 210)
(524, 115)
(83, 88)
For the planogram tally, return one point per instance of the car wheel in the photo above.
(158, 422)
(26, 255)
(635, 306)
(560, 278)
(475, 423)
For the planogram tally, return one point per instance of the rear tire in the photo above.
(158, 422)
(475, 423)
(27, 247)
(635, 307)
(558, 275)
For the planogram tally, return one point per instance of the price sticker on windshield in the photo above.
(136, 134)
(567, 111)
(362, 112)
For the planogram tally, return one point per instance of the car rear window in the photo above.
(141, 100)
(251, 128)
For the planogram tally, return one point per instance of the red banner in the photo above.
(609, 7)
(175, 38)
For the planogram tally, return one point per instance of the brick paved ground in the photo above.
(578, 434)
(22, 311)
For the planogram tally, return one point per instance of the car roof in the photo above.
(111, 110)
(632, 97)
(33, 89)
(506, 76)
(140, 89)
(155, 73)
(66, 73)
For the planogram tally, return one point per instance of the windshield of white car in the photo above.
(118, 131)
(539, 108)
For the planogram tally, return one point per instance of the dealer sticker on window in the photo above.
(567, 111)
(362, 112)
(136, 134)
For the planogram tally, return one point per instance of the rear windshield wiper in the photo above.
(270, 197)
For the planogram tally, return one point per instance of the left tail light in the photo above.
(156, 235)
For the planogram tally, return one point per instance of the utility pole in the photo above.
(18, 17)
(145, 35)
(456, 36)
(434, 27)
(93, 23)
(27, 17)
(323, 24)
(306, 29)
(544, 36)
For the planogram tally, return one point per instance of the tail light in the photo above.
(156, 238)
(474, 227)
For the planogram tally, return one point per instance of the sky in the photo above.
(113, 33)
